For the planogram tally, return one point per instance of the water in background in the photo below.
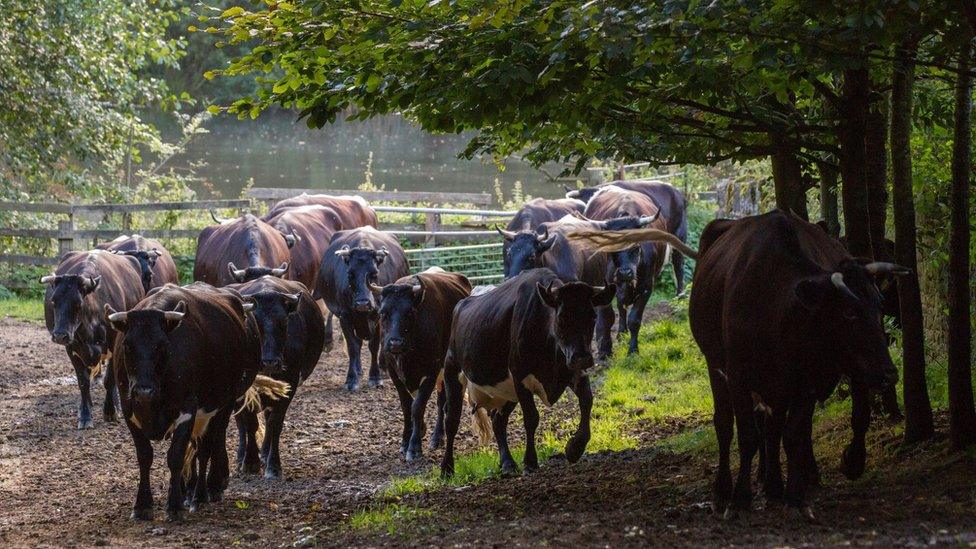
(276, 151)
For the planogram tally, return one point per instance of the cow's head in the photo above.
(584, 194)
(846, 307)
(68, 295)
(575, 304)
(398, 315)
(362, 268)
(144, 343)
(147, 260)
(271, 311)
(624, 264)
(524, 249)
(254, 273)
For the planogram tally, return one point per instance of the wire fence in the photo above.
(481, 263)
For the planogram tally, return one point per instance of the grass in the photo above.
(20, 308)
(391, 519)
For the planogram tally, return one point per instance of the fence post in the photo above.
(66, 236)
(432, 222)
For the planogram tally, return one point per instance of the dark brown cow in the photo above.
(353, 211)
(292, 338)
(355, 260)
(670, 201)
(184, 356)
(241, 249)
(529, 337)
(633, 270)
(781, 311)
(415, 320)
(533, 214)
(158, 267)
(83, 283)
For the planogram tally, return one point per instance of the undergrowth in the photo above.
(22, 309)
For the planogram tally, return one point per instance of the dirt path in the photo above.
(60, 486)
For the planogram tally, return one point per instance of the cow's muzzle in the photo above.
(362, 306)
(396, 345)
(143, 394)
(61, 338)
(580, 362)
(272, 366)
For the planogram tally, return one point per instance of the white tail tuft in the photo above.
(251, 400)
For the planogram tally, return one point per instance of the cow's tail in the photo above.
(191, 452)
(616, 241)
(480, 422)
(264, 386)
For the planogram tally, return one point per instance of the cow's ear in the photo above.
(811, 292)
(546, 294)
(603, 296)
(115, 318)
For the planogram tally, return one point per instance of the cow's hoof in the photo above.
(447, 471)
(86, 423)
(174, 515)
(142, 514)
(414, 454)
(272, 473)
(529, 468)
(352, 386)
(575, 449)
(852, 462)
(374, 383)
(111, 416)
(435, 443)
(509, 469)
(215, 495)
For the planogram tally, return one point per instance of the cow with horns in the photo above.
(155, 261)
(292, 334)
(83, 283)
(529, 337)
(533, 214)
(781, 311)
(246, 241)
(354, 260)
(173, 385)
(353, 211)
(415, 319)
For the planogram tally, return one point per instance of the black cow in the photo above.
(158, 267)
(781, 311)
(671, 203)
(354, 260)
(415, 319)
(175, 384)
(82, 284)
(529, 337)
(292, 339)
(536, 212)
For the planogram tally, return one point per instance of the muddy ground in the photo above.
(60, 486)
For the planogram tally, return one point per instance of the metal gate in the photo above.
(481, 263)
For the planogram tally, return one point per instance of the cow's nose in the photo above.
(625, 274)
(580, 361)
(396, 345)
(61, 338)
(271, 365)
(143, 392)
(362, 305)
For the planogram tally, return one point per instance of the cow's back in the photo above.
(540, 210)
(315, 225)
(164, 271)
(668, 198)
(353, 211)
(246, 241)
(442, 292)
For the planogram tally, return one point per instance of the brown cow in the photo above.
(158, 267)
(83, 283)
(353, 211)
(241, 249)
(781, 311)
(415, 320)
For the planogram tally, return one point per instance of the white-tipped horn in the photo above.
(248, 306)
(417, 289)
(343, 252)
(882, 267)
(216, 219)
(294, 298)
(646, 220)
(48, 279)
(118, 317)
(837, 279)
(280, 270)
(507, 235)
(238, 274)
(382, 252)
(171, 315)
(544, 236)
(375, 288)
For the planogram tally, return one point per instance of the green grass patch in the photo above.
(392, 519)
(23, 309)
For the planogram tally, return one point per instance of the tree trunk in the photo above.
(828, 198)
(851, 133)
(962, 416)
(918, 409)
(876, 177)
(788, 179)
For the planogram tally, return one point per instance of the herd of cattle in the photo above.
(780, 310)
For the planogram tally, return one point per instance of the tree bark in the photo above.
(962, 415)
(876, 177)
(918, 409)
(851, 133)
(788, 179)
(828, 198)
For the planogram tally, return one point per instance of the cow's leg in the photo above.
(406, 402)
(772, 473)
(855, 454)
(175, 459)
(636, 316)
(354, 348)
(530, 419)
(577, 445)
(723, 418)
(219, 474)
(143, 508)
(415, 449)
(248, 456)
(801, 411)
(748, 435)
(811, 467)
(499, 425)
(329, 337)
(453, 394)
(272, 435)
(604, 341)
(678, 266)
(84, 386)
(889, 403)
(621, 320)
(437, 437)
(374, 353)
(110, 407)
(196, 494)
